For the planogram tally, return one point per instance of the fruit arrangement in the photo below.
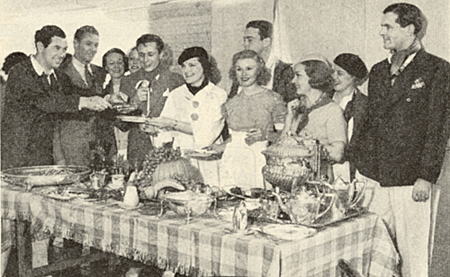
(157, 156)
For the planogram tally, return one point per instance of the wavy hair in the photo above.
(263, 75)
(320, 75)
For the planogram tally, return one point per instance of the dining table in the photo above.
(204, 245)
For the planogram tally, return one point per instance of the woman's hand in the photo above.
(255, 135)
(163, 122)
(219, 148)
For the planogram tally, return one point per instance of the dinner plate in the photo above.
(199, 153)
(126, 207)
(288, 231)
(133, 119)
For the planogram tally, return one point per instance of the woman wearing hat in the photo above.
(350, 72)
(192, 112)
(314, 115)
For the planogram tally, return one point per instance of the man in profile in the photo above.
(400, 148)
(258, 37)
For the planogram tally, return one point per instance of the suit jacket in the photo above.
(162, 81)
(404, 136)
(358, 114)
(30, 107)
(282, 78)
(75, 131)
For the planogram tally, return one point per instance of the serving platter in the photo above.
(65, 194)
(132, 119)
(49, 175)
(349, 214)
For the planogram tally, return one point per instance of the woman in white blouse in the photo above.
(192, 112)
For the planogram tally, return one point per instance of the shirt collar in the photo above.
(346, 99)
(407, 61)
(38, 67)
(80, 66)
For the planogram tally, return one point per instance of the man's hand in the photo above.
(94, 103)
(421, 190)
(142, 93)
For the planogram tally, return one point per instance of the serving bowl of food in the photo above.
(47, 175)
(188, 203)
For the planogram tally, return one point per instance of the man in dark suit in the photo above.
(36, 91)
(258, 37)
(75, 132)
(400, 149)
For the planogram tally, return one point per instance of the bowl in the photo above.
(188, 202)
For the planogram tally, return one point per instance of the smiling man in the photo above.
(74, 133)
(36, 91)
(154, 79)
(258, 37)
(401, 145)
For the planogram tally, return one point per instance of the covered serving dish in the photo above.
(291, 161)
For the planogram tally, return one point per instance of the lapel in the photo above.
(74, 75)
(406, 79)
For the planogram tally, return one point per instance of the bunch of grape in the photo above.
(159, 155)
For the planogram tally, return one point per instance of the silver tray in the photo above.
(50, 175)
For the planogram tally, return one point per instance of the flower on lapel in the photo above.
(418, 83)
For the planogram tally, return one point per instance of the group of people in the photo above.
(393, 139)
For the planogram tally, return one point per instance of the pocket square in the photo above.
(418, 83)
(166, 93)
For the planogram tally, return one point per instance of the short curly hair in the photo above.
(263, 75)
(320, 75)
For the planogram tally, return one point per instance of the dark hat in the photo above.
(352, 64)
(193, 52)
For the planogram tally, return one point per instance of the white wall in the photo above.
(327, 26)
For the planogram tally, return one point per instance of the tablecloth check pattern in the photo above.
(203, 247)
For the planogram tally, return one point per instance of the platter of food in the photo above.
(65, 194)
(124, 108)
(133, 119)
(45, 175)
(242, 193)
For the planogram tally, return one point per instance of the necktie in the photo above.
(349, 109)
(44, 82)
(89, 77)
(53, 82)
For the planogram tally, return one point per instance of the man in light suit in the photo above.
(401, 146)
(258, 37)
(74, 133)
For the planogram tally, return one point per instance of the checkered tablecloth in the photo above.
(203, 247)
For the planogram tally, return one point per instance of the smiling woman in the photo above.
(251, 116)
(192, 112)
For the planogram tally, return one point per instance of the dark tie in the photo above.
(350, 109)
(89, 76)
(53, 82)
